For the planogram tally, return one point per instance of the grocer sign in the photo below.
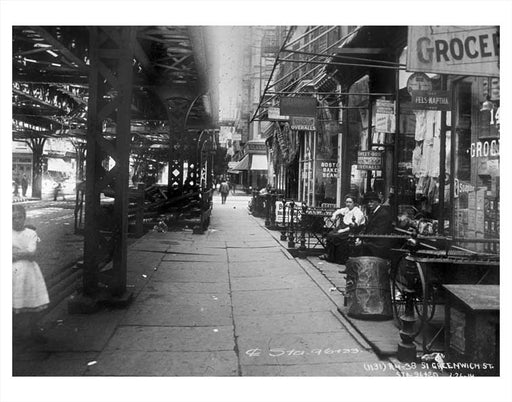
(369, 160)
(463, 50)
(485, 149)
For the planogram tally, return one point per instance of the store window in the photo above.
(419, 163)
(477, 175)
(306, 167)
(318, 160)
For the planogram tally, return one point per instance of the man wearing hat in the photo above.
(378, 222)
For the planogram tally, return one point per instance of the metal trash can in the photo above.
(368, 289)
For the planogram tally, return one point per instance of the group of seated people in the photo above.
(351, 220)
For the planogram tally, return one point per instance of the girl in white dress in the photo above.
(29, 293)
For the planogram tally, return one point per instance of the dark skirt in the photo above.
(337, 247)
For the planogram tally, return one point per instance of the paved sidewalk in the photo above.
(230, 302)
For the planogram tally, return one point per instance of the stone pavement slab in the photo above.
(193, 300)
(188, 287)
(270, 268)
(352, 369)
(262, 302)
(213, 257)
(162, 315)
(58, 364)
(74, 334)
(291, 323)
(137, 363)
(283, 281)
(258, 255)
(303, 348)
(204, 272)
(172, 339)
(254, 243)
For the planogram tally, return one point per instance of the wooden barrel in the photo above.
(368, 289)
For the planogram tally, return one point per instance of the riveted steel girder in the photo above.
(110, 98)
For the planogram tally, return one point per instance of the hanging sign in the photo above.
(273, 115)
(385, 116)
(431, 100)
(302, 123)
(369, 160)
(298, 106)
(461, 50)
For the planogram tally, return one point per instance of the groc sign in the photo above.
(463, 50)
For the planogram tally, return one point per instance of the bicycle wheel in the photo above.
(406, 278)
(427, 307)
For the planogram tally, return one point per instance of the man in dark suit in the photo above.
(378, 222)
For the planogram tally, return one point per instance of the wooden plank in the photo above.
(476, 297)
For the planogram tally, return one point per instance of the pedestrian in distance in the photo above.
(347, 219)
(224, 190)
(29, 292)
(24, 185)
(57, 189)
(16, 185)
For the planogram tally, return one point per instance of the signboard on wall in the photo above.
(274, 115)
(431, 100)
(329, 169)
(303, 123)
(385, 116)
(369, 160)
(298, 106)
(461, 50)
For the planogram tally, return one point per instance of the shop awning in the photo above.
(259, 162)
(243, 164)
(368, 47)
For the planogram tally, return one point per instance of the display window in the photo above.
(477, 175)
(418, 176)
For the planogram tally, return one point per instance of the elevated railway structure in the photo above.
(140, 95)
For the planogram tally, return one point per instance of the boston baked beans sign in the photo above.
(461, 50)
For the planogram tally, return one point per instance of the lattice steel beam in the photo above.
(111, 54)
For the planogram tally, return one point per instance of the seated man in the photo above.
(378, 222)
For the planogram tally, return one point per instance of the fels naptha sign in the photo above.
(463, 50)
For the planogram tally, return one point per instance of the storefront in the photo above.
(304, 145)
(443, 78)
(454, 100)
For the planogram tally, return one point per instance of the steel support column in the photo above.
(37, 145)
(176, 112)
(110, 98)
(80, 159)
